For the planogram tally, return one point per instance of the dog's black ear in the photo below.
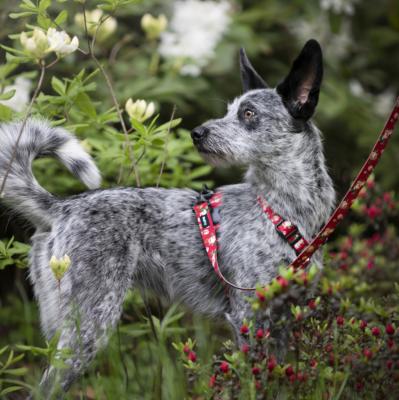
(300, 89)
(249, 77)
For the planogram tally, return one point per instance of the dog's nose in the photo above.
(199, 132)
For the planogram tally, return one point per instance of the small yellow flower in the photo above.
(35, 44)
(153, 26)
(59, 266)
(139, 110)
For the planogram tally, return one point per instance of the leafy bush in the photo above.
(122, 52)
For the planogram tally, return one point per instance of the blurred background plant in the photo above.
(131, 78)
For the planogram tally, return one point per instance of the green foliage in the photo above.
(13, 253)
(86, 91)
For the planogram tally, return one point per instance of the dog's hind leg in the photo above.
(94, 308)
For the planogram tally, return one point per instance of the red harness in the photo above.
(208, 218)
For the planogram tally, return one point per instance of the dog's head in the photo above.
(263, 122)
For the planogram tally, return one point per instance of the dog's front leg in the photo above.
(240, 310)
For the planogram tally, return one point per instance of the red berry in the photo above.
(192, 356)
(289, 371)
(389, 329)
(271, 364)
(312, 304)
(299, 317)
(212, 381)
(282, 282)
(370, 264)
(329, 348)
(367, 353)
(259, 334)
(258, 385)
(245, 348)
(255, 370)
(359, 386)
(224, 367)
(260, 296)
(389, 364)
(363, 325)
(373, 211)
(244, 329)
(375, 331)
(300, 376)
(390, 343)
(313, 363)
(340, 320)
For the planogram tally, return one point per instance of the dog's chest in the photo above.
(247, 241)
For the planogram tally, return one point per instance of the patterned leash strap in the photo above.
(353, 192)
(208, 229)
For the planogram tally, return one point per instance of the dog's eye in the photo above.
(248, 114)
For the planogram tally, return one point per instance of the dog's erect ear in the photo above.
(249, 77)
(300, 89)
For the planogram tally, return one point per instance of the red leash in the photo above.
(287, 230)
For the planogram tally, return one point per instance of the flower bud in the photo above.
(244, 329)
(139, 110)
(224, 367)
(59, 266)
(102, 27)
(389, 329)
(245, 348)
(153, 26)
(255, 371)
(192, 356)
(36, 45)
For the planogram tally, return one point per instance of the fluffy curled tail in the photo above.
(22, 192)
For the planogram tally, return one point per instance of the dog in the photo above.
(123, 238)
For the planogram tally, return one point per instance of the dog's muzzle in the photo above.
(199, 133)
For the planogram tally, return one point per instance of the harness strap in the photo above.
(286, 229)
(203, 212)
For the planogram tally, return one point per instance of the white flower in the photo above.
(338, 6)
(195, 30)
(356, 88)
(36, 44)
(21, 97)
(60, 42)
(93, 18)
(384, 101)
(139, 110)
(152, 26)
(335, 44)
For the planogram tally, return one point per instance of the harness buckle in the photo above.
(292, 231)
(204, 195)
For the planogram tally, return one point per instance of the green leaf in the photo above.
(7, 95)
(10, 389)
(58, 85)
(85, 105)
(168, 125)
(61, 17)
(21, 14)
(5, 113)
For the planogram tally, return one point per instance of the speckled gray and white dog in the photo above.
(125, 237)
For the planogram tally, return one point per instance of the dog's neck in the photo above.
(295, 181)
